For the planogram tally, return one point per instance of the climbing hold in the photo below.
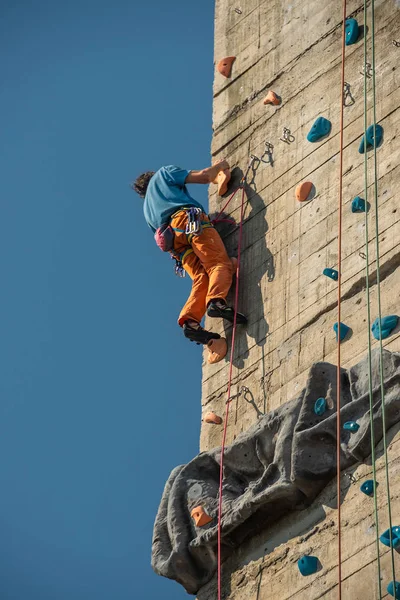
(387, 325)
(200, 517)
(352, 31)
(343, 331)
(212, 418)
(225, 65)
(234, 262)
(308, 565)
(222, 180)
(370, 138)
(351, 426)
(303, 190)
(272, 98)
(332, 273)
(358, 205)
(320, 129)
(367, 487)
(217, 350)
(385, 537)
(320, 406)
(392, 591)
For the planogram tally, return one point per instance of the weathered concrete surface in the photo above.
(294, 48)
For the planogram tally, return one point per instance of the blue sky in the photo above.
(100, 392)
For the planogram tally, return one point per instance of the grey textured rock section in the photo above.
(280, 464)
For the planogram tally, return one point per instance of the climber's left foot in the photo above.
(219, 308)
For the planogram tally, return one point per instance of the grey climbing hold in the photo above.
(321, 128)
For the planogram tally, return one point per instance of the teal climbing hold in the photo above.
(359, 205)
(351, 426)
(352, 31)
(332, 273)
(392, 591)
(387, 325)
(385, 537)
(308, 565)
(368, 487)
(320, 406)
(343, 331)
(370, 138)
(320, 129)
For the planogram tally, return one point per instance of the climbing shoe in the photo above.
(218, 308)
(195, 333)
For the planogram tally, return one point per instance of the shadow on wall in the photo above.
(254, 250)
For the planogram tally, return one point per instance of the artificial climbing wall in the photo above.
(294, 48)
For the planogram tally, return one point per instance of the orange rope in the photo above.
(228, 402)
(338, 390)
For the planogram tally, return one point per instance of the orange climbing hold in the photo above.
(303, 190)
(222, 180)
(272, 98)
(217, 350)
(200, 517)
(212, 418)
(225, 65)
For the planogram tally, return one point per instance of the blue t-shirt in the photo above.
(166, 194)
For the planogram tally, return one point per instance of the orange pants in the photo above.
(207, 263)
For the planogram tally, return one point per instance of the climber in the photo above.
(182, 228)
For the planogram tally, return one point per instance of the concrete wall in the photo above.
(294, 48)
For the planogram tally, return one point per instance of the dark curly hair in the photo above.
(140, 184)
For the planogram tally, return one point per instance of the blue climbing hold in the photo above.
(320, 406)
(308, 565)
(370, 138)
(351, 426)
(367, 487)
(352, 31)
(392, 592)
(320, 129)
(343, 331)
(332, 273)
(358, 205)
(387, 325)
(385, 537)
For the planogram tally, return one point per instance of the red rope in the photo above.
(221, 467)
(338, 382)
(217, 218)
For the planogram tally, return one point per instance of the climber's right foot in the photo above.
(195, 333)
